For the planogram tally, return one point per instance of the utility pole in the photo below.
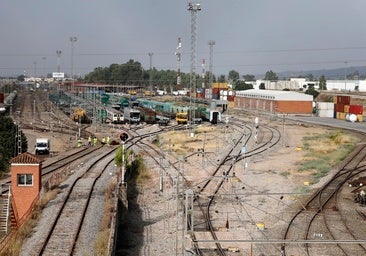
(211, 43)
(203, 77)
(150, 73)
(73, 39)
(44, 66)
(35, 68)
(193, 8)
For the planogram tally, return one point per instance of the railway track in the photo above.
(63, 236)
(213, 189)
(318, 215)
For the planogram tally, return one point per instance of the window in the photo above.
(25, 179)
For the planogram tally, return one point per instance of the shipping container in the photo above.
(224, 92)
(339, 107)
(356, 109)
(231, 104)
(342, 99)
(219, 85)
(231, 98)
(324, 105)
(326, 113)
(359, 118)
(199, 95)
(341, 115)
(346, 108)
(216, 91)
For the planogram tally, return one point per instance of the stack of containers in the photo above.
(356, 110)
(208, 93)
(216, 88)
(200, 93)
(228, 95)
(345, 111)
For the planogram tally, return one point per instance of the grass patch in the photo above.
(324, 151)
(102, 242)
(285, 174)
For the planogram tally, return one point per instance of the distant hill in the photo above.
(330, 74)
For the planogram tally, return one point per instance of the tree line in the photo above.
(132, 73)
(9, 142)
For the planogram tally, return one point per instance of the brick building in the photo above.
(274, 102)
(25, 184)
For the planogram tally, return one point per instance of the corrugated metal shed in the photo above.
(274, 95)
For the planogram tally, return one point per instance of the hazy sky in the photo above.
(251, 36)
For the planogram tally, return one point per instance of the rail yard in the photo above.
(231, 189)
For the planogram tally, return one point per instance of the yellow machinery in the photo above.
(79, 115)
(181, 118)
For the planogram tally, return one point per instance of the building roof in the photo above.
(274, 95)
(25, 158)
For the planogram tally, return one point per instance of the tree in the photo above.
(262, 86)
(241, 85)
(311, 91)
(271, 76)
(233, 76)
(8, 142)
(309, 77)
(248, 77)
(221, 79)
(322, 83)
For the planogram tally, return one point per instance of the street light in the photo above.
(44, 65)
(73, 39)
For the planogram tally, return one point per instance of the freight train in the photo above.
(152, 111)
(171, 110)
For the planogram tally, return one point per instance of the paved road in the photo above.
(358, 126)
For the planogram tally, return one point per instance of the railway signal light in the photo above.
(123, 136)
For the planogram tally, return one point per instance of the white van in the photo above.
(42, 146)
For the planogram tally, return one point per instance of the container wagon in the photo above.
(147, 115)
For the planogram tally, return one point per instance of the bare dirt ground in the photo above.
(269, 191)
(257, 207)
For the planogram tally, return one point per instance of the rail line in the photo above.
(306, 221)
(225, 167)
(63, 235)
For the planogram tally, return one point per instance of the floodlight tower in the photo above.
(179, 54)
(193, 8)
(211, 43)
(58, 52)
